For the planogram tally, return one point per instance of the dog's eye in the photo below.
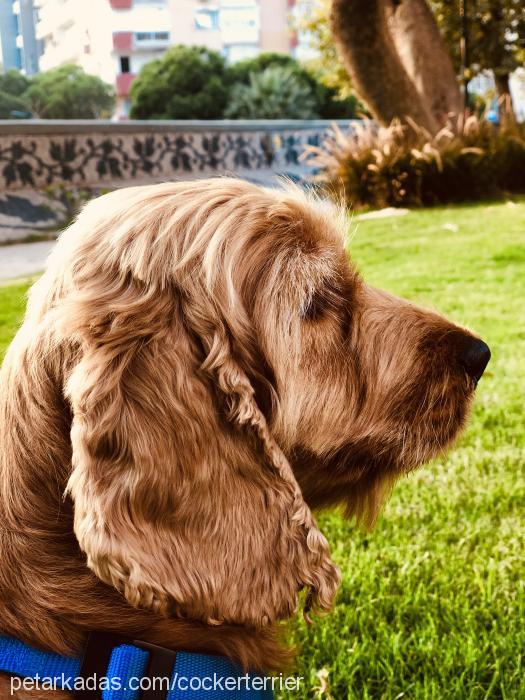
(316, 307)
(333, 300)
(325, 301)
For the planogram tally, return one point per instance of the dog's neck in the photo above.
(54, 605)
(48, 596)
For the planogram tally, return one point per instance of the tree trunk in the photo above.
(365, 44)
(506, 108)
(425, 57)
(394, 53)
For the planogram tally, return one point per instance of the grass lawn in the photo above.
(432, 603)
(12, 304)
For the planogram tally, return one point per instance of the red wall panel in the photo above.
(122, 42)
(121, 4)
(124, 81)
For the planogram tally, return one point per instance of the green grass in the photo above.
(432, 603)
(12, 304)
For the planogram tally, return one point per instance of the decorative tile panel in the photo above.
(71, 154)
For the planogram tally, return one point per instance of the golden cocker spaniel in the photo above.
(199, 367)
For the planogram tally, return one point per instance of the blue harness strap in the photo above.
(194, 676)
(22, 660)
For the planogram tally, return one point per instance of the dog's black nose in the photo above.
(475, 357)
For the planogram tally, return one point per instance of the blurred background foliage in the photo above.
(66, 92)
(187, 82)
(496, 36)
(191, 82)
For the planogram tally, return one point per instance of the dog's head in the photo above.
(227, 369)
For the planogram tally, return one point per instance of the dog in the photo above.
(199, 368)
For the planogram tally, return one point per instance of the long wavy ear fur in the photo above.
(183, 499)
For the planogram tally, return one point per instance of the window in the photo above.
(206, 18)
(152, 36)
(239, 17)
(124, 64)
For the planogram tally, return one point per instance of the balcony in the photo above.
(124, 81)
(122, 42)
(121, 4)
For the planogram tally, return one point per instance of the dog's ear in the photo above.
(182, 499)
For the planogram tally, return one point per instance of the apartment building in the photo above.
(238, 28)
(109, 38)
(115, 38)
(20, 49)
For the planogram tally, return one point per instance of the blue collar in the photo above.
(115, 668)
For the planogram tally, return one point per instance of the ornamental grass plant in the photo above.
(404, 165)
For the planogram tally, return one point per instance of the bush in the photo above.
(187, 82)
(192, 82)
(241, 71)
(327, 104)
(13, 107)
(13, 85)
(404, 166)
(68, 92)
(276, 93)
(331, 106)
(13, 82)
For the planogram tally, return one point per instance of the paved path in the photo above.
(23, 259)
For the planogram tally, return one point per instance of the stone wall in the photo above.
(38, 154)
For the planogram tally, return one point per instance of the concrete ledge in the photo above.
(37, 127)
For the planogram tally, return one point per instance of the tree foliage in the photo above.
(275, 93)
(495, 37)
(496, 34)
(13, 85)
(67, 92)
(13, 82)
(328, 103)
(191, 82)
(12, 107)
(327, 65)
(241, 71)
(187, 82)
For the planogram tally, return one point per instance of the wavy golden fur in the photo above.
(198, 367)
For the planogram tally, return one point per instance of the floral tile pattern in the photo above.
(47, 159)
